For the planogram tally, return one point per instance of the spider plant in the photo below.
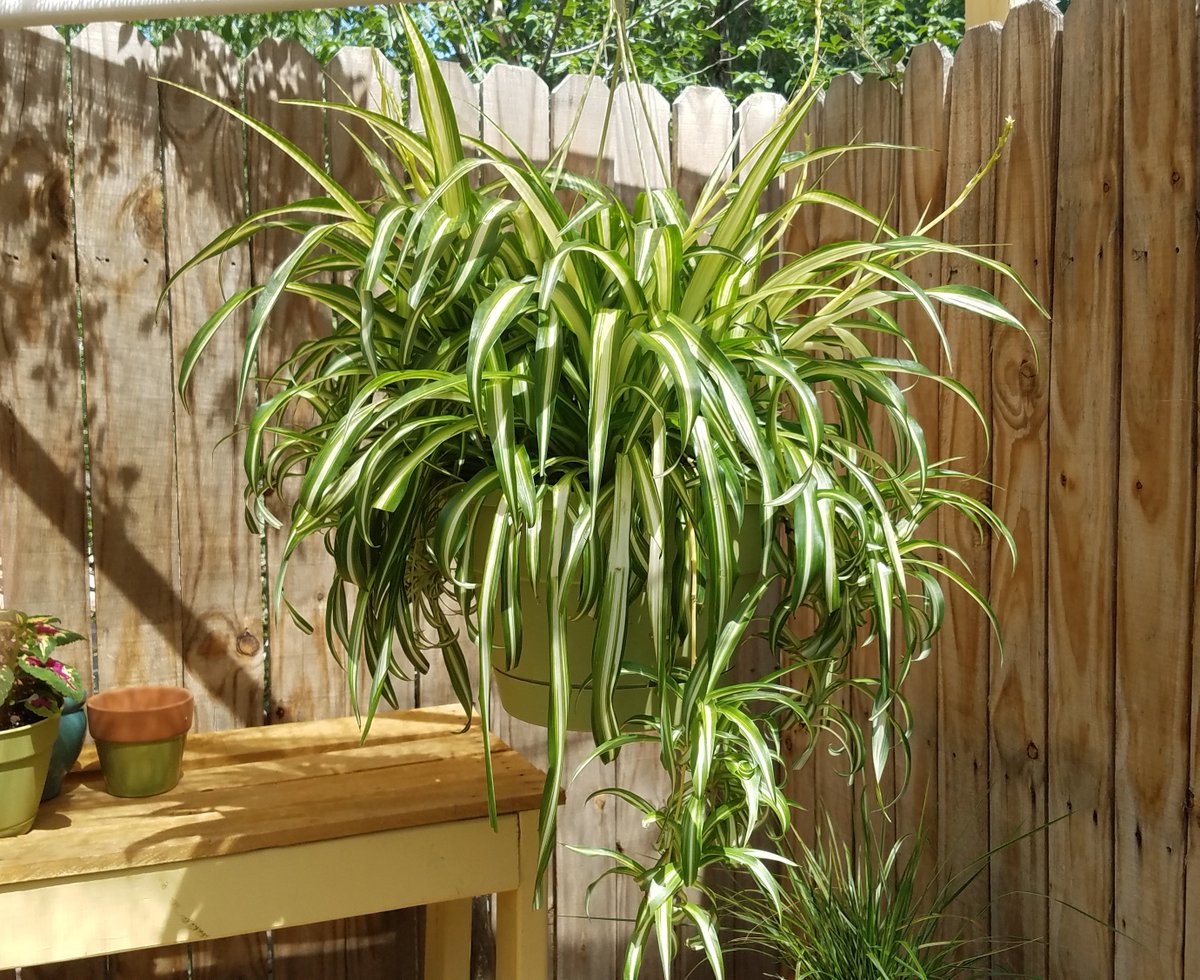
(597, 413)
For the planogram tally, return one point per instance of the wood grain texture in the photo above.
(702, 128)
(641, 141)
(311, 781)
(803, 235)
(966, 637)
(128, 356)
(387, 941)
(514, 110)
(219, 559)
(360, 77)
(43, 538)
(220, 588)
(878, 178)
(1156, 495)
(578, 107)
(841, 123)
(304, 680)
(1084, 407)
(924, 125)
(1025, 194)
(128, 363)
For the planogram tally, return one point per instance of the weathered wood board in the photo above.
(1082, 535)
(963, 776)
(1026, 178)
(219, 589)
(924, 126)
(43, 536)
(1156, 491)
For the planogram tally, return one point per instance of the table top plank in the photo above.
(296, 783)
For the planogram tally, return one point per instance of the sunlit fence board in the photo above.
(42, 509)
(1156, 495)
(43, 535)
(1021, 372)
(128, 364)
(305, 683)
(220, 590)
(924, 125)
(975, 126)
(1082, 540)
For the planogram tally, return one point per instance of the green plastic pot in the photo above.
(140, 734)
(24, 759)
(524, 688)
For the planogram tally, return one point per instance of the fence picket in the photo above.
(578, 114)
(640, 137)
(388, 941)
(1156, 496)
(43, 537)
(924, 124)
(1086, 346)
(702, 129)
(962, 733)
(305, 682)
(1020, 404)
(220, 588)
(127, 349)
(802, 236)
(515, 111)
(841, 119)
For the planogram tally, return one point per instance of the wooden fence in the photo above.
(108, 179)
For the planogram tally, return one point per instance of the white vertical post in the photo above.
(981, 11)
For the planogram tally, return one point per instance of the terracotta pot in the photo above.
(24, 758)
(140, 733)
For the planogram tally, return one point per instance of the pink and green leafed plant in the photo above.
(33, 684)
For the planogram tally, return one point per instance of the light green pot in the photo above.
(525, 687)
(24, 759)
(141, 768)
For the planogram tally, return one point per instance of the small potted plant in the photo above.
(33, 688)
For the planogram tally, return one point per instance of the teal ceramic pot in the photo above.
(71, 730)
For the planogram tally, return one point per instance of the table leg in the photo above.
(522, 930)
(448, 940)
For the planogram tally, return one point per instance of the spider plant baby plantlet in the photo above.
(594, 429)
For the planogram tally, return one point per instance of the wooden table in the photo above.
(282, 826)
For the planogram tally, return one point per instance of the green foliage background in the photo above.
(741, 46)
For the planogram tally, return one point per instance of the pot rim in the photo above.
(165, 696)
(140, 713)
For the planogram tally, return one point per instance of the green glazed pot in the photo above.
(24, 759)
(67, 746)
(141, 768)
(140, 733)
